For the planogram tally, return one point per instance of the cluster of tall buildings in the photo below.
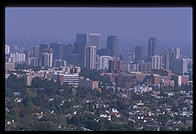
(171, 59)
(87, 53)
(87, 46)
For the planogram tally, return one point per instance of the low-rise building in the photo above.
(86, 83)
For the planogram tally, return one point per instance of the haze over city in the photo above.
(166, 24)
(98, 69)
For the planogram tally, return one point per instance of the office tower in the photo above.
(36, 51)
(138, 53)
(116, 66)
(103, 62)
(62, 51)
(50, 51)
(180, 66)
(152, 48)
(169, 57)
(79, 46)
(94, 40)
(81, 38)
(112, 45)
(67, 51)
(73, 59)
(190, 64)
(7, 49)
(18, 57)
(177, 53)
(55, 47)
(166, 59)
(42, 47)
(47, 57)
(90, 57)
(156, 62)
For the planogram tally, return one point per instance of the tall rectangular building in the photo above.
(180, 66)
(55, 47)
(112, 46)
(90, 57)
(47, 57)
(138, 53)
(177, 53)
(94, 40)
(156, 62)
(166, 60)
(36, 51)
(169, 58)
(152, 47)
(79, 46)
(42, 47)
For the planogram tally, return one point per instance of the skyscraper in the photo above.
(55, 47)
(47, 57)
(94, 40)
(156, 62)
(177, 53)
(169, 58)
(79, 46)
(42, 47)
(181, 66)
(36, 51)
(138, 53)
(112, 45)
(152, 48)
(67, 50)
(166, 60)
(90, 57)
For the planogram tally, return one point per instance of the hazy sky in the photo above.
(167, 24)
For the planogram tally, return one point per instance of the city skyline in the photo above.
(79, 85)
(162, 23)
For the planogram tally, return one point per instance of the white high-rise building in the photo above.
(156, 62)
(90, 57)
(50, 59)
(18, 57)
(103, 62)
(45, 59)
(94, 40)
(7, 49)
(177, 53)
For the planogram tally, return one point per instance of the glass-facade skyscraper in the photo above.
(112, 46)
(152, 47)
